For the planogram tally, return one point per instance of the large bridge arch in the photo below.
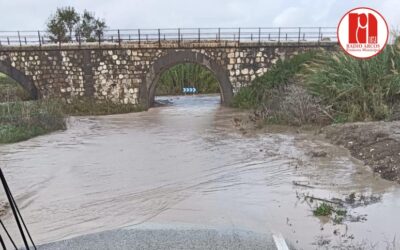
(20, 78)
(174, 57)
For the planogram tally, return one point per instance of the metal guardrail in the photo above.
(179, 35)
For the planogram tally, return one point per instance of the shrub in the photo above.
(293, 105)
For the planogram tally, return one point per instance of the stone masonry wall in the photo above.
(119, 74)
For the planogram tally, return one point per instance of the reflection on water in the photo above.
(187, 164)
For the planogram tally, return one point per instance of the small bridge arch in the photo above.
(174, 57)
(20, 78)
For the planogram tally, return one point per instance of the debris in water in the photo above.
(318, 154)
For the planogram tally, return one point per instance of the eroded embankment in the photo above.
(375, 143)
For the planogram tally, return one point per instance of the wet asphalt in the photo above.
(143, 239)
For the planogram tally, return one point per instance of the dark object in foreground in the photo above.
(18, 218)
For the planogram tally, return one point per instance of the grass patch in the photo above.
(12, 133)
(23, 120)
(324, 209)
(90, 106)
(336, 214)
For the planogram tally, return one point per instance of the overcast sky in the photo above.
(33, 14)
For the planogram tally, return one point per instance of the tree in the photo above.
(66, 20)
(99, 27)
(69, 17)
(57, 30)
(91, 27)
(63, 21)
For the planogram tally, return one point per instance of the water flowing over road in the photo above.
(187, 165)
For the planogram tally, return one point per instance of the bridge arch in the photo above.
(174, 57)
(20, 78)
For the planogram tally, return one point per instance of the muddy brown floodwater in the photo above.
(187, 164)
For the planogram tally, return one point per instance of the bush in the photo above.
(357, 90)
(293, 105)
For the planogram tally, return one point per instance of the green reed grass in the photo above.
(357, 90)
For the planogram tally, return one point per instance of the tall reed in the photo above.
(357, 90)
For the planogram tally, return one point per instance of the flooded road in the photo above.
(188, 165)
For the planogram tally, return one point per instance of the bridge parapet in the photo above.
(165, 45)
(179, 37)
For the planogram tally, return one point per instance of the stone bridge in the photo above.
(129, 72)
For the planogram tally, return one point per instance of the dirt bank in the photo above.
(375, 143)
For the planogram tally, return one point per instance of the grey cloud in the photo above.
(32, 15)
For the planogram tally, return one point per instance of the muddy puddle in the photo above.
(187, 164)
